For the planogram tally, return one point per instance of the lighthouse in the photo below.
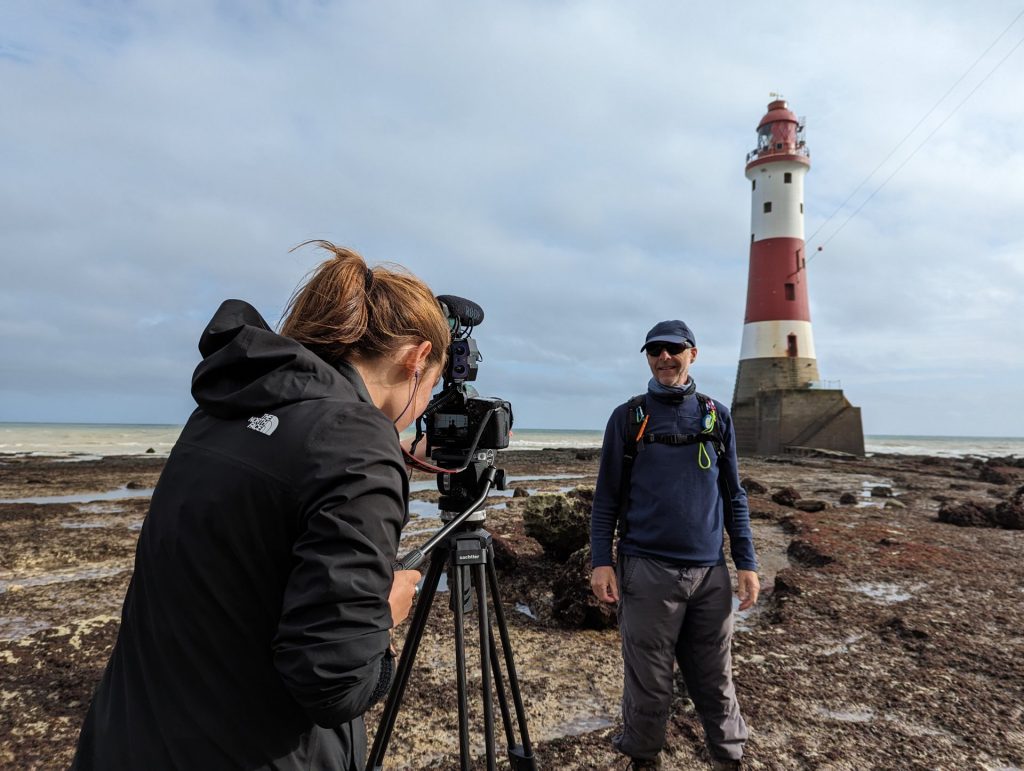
(778, 347)
(780, 403)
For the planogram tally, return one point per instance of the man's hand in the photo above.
(748, 588)
(604, 585)
(402, 591)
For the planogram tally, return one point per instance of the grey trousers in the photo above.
(666, 615)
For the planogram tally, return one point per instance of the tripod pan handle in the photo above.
(410, 561)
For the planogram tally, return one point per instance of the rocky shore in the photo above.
(890, 633)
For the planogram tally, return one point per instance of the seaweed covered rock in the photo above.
(810, 504)
(787, 582)
(573, 602)
(1007, 514)
(1010, 513)
(787, 586)
(808, 554)
(506, 559)
(969, 514)
(560, 523)
(753, 487)
(994, 476)
(786, 496)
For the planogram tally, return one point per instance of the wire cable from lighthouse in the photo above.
(910, 133)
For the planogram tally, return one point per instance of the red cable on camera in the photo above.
(422, 465)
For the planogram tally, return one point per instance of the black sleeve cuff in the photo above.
(387, 672)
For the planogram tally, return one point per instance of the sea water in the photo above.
(77, 441)
(81, 440)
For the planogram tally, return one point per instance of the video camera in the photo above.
(463, 429)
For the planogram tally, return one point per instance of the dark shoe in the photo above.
(644, 764)
(637, 764)
(725, 765)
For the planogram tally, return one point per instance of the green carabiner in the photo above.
(703, 459)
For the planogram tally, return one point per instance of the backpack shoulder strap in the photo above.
(636, 424)
(711, 423)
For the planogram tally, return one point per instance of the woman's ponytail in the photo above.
(345, 308)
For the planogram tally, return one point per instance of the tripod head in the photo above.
(415, 558)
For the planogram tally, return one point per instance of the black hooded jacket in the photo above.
(255, 628)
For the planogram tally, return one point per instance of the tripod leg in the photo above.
(457, 587)
(499, 682)
(499, 688)
(375, 761)
(523, 761)
(485, 671)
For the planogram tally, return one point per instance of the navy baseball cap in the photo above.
(670, 332)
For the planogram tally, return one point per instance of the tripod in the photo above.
(466, 550)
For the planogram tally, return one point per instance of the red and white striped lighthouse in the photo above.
(780, 405)
(778, 347)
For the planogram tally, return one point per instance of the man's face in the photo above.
(668, 368)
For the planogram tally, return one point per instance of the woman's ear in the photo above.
(414, 360)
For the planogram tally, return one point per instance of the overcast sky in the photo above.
(576, 168)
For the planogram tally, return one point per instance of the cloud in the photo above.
(576, 168)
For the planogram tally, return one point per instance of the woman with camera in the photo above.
(256, 629)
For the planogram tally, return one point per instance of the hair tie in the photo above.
(369, 278)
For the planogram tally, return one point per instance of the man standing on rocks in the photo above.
(669, 478)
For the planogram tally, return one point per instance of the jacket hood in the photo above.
(247, 368)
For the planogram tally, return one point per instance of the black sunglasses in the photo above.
(674, 349)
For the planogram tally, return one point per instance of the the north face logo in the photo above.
(265, 424)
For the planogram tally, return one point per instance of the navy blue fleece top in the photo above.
(675, 510)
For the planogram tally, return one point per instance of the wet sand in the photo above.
(884, 638)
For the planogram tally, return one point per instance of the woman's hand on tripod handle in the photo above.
(403, 589)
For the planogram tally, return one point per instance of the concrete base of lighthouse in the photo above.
(769, 373)
(795, 420)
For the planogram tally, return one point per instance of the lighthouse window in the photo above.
(790, 291)
(787, 177)
(767, 207)
(753, 184)
(801, 207)
(778, 145)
